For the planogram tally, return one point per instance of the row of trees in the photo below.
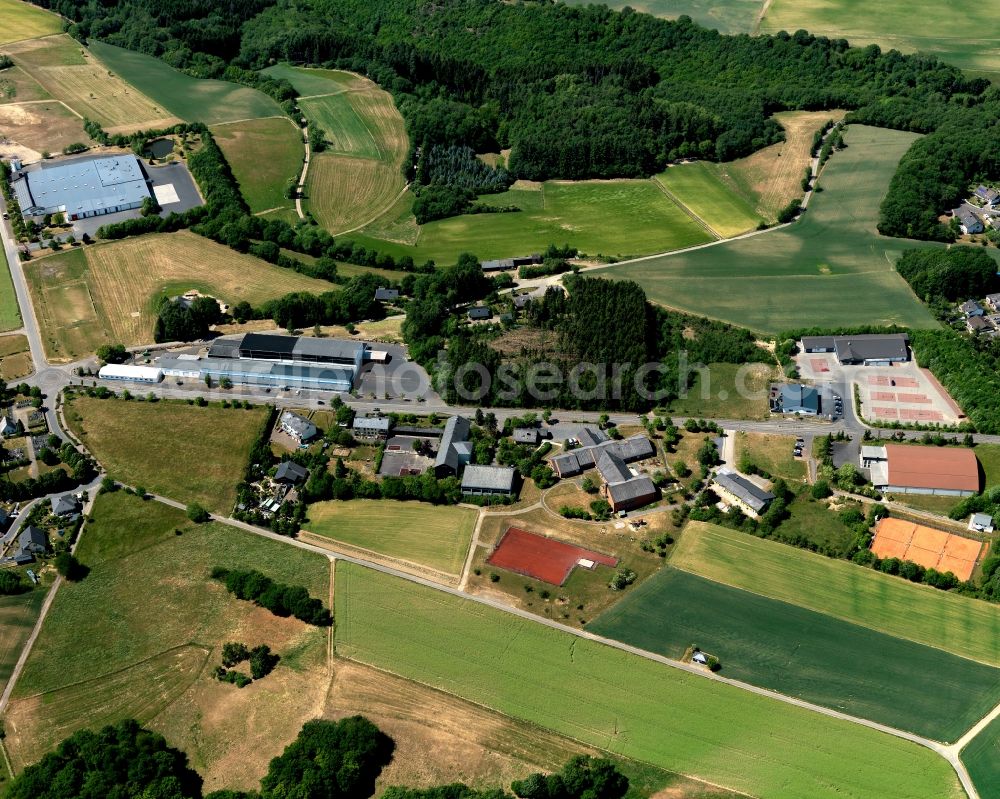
(280, 599)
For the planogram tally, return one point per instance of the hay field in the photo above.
(72, 74)
(18, 615)
(805, 654)
(264, 154)
(345, 191)
(190, 99)
(621, 702)
(24, 21)
(17, 86)
(830, 268)
(427, 535)
(35, 128)
(15, 357)
(982, 758)
(969, 40)
(862, 596)
(698, 187)
(149, 656)
(10, 313)
(105, 293)
(209, 446)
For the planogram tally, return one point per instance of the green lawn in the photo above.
(806, 654)
(429, 535)
(982, 758)
(989, 458)
(829, 269)
(25, 21)
(264, 154)
(621, 702)
(184, 452)
(727, 391)
(698, 187)
(10, 313)
(191, 99)
(599, 217)
(894, 606)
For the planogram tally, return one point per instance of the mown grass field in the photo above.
(106, 293)
(10, 313)
(982, 758)
(717, 394)
(149, 653)
(863, 596)
(829, 269)
(802, 653)
(184, 452)
(24, 21)
(15, 357)
(608, 217)
(346, 192)
(698, 187)
(309, 82)
(18, 615)
(427, 535)
(264, 154)
(969, 40)
(78, 77)
(623, 703)
(191, 99)
(17, 86)
(773, 453)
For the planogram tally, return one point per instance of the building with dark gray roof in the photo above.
(633, 448)
(30, 542)
(794, 398)
(67, 505)
(290, 473)
(386, 295)
(455, 450)
(480, 312)
(298, 427)
(82, 187)
(591, 436)
(867, 350)
(738, 490)
(526, 435)
(623, 490)
(488, 480)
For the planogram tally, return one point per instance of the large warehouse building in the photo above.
(912, 469)
(275, 361)
(82, 187)
(862, 350)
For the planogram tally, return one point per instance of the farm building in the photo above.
(298, 427)
(737, 490)
(511, 263)
(910, 469)
(622, 489)
(455, 450)
(526, 435)
(131, 373)
(371, 426)
(866, 350)
(794, 398)
(82, 187)
(633, 448)
(290, 473)
(488, 480)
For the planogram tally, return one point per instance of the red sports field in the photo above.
(930, 548)
(543, 558)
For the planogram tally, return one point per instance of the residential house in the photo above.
(993, 300)
(527, 435)
(968, 222)
(735, 489)
(298, 427)
(67, 506)
(988, 195)
(30, 542)
(480, 312)
(290, 473)
(977, 325)
(971, 308)
(371, 427)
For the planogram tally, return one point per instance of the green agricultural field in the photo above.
(184, 452)
(802, 653)
(609, 217)
(310, 82)
(148, 654)
(621, 702)
(982, 758)
(18, 615)
(698, 187)
(428, 535)
(969, 40)
(191, 99)
(265, 155)
(893, 606)
(829, 269)
(25, 21)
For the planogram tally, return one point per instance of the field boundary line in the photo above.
(378, 216)
(253, 119)
(765, 7)
(686, 209)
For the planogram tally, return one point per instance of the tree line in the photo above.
(958, 273)
(280, 599)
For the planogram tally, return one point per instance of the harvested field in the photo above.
(698, 187)
(805, 654)
(609, 698)
(265, 155)
(72, 74)
(105, 293)
(17, 86)
(863, 596)
(925, 546)
(18, 615)
(39, 127)
(437, 537)
(371, 185)
(25, 21)
(190, 99)
(543, 558)
(212, 443)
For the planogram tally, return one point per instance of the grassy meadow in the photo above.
(772, 453)
(10, 313)
(437, 537)
(80, 79)
(716, 391)
(264, 154)
(40, 127)
(862, 596)
(18, 615)
(150, 652)
(829, 269)
(621, 702)
(697, 187)
(805, 654)
(15, 357)
(982, 758)
(17, 86)
(190, 99)
(24, 21)
(106, 293)
(187, 453)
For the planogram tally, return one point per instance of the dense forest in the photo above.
(959, 273)
(580, 92)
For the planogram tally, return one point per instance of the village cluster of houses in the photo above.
(980, 211)
(982, 318)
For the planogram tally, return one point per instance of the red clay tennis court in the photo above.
(930, 548)
(543, 558)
